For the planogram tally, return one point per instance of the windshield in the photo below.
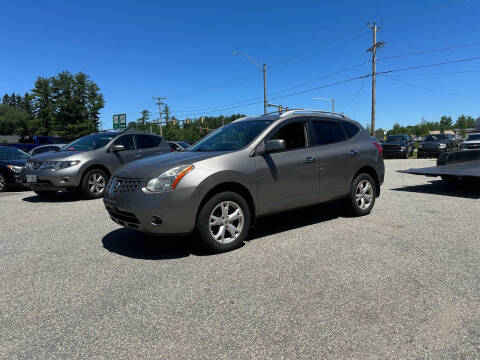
(89, 142)
(473, 137)
(231, 137)
(392, 138)
(11, 153)
(436, 137)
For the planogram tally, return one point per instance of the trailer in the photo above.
(452, 166)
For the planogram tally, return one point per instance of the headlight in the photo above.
(442, 146)
(15, 169)
(169, 179)
(57, 165)
(404, 148)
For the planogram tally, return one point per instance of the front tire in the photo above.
(3, 184)
(223, 222)
(361, 199)
(94, 184)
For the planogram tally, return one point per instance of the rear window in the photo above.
(350, 129)
(327, 132)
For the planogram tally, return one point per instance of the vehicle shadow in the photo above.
(468, 190)
(55, 198)
(135, 244)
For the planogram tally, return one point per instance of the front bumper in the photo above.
(393, 152)
(169, 212)
(430, 152)
(52, 180)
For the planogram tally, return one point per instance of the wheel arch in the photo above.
(234, 187)
(373, 173)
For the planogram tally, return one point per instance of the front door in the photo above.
(130, 153)
(289, 178)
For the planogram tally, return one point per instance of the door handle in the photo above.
(353, 152)
(310, 159)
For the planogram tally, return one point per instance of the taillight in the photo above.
(378, 146)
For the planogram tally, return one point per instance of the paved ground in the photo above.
(402, 283)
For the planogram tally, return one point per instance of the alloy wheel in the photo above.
(96, 183)
(226, 222)
(364, 194)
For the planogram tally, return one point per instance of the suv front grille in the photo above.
(123, 185)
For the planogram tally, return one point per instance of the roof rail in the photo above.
(294, 111)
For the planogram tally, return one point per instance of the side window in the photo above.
(145, 141)
(127, 141)
(350, 129)
(293, 134)
(157, 140)
(327, 132)
(174, 146)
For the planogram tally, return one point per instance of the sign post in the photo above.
(119, 121)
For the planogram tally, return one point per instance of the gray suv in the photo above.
(249, 168)
(87, 163)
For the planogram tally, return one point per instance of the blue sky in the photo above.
(182, 50)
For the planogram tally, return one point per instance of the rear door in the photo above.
(150, 144)
(289, 178)
(337, 154)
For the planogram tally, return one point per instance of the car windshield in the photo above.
(231, 137)
(89, 142)
(184, 144)
(473, 137)
(11, 153)
(436, 137)
(392, 138)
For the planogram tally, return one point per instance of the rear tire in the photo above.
(3, 184)
(223, 222)
(361, 199)
(94, 183)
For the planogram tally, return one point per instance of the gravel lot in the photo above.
(402, 283)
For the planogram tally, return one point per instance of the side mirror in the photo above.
(117, 147)
(275, 145)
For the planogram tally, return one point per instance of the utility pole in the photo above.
(333, 101)
(159, 103)
(373, 50)
(265, 102)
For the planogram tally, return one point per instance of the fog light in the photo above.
(156, 220)
(63, 179)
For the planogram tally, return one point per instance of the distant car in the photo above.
(472, 142)
(29, 142)
(46, 148)
(178, 145)
(398, 146)
(434, 145)
(12, 161)
(87, 163)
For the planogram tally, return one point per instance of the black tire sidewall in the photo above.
(203, 228)
(4, 181)
(84, 186)
(351, 199)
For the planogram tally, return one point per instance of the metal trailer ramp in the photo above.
(460, 164)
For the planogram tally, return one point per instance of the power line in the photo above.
(440, 73)
(419, 52)
(430, 89)
(429, 65)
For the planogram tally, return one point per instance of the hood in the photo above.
(394, 143)
(433, 144)
(155, 165)
(16, 162)
(57, 155)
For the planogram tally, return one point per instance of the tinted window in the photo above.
(327, 132)
(127, 141)
(145, 141)
(156, 139)
(11, 153)
(350, 129)
(233, 136)
(174, 146)
(293, 134)
(90, 142)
